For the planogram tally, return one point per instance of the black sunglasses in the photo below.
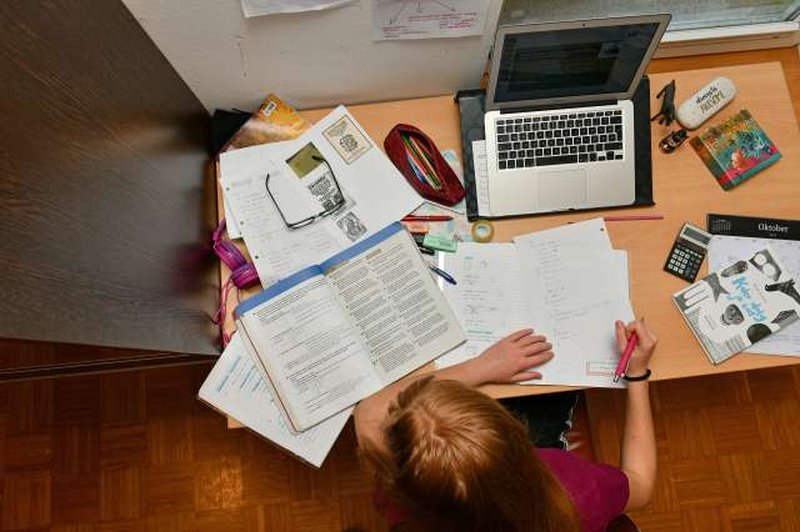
(340, 201)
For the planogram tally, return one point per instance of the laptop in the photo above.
(559, 121)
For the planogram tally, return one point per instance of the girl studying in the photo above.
(447, 457)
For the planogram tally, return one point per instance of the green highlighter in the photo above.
(440, 243)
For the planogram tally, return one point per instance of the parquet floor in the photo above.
(136, 451)
(728, 451)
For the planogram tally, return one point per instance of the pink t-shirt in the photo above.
(599, 492)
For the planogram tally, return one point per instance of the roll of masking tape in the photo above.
(482, 231)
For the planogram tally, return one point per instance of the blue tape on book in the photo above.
(312, 271)
(277, 289)
(357, 249)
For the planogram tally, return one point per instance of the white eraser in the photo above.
(705, 103)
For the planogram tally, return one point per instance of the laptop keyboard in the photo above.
(559, 138)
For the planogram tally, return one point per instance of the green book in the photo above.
(735, 150)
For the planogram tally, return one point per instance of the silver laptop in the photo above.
(559, 121)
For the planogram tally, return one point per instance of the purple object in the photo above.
(600, 492)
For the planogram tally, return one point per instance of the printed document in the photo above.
(427, 19)
(236, 388)
(257, 8)
(334, 168)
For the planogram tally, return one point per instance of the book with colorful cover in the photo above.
(733, 308)
(735, 150)
(273, 121)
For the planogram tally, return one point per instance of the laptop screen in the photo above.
(571, 62)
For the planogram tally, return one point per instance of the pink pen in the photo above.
(624, 360)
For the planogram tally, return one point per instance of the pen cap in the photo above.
(450, 192)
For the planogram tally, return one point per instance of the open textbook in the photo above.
(567, 283)
(334, 333)
(734, 307)
(335, 168)
(236, 388)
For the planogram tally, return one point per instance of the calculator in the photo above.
(687, 253)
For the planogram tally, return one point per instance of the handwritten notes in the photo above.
(235, 387)
(567, 283)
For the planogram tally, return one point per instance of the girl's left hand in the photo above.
(510, 359)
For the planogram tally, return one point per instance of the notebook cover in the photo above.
(273, 121)
(735, 150)
(471, 110)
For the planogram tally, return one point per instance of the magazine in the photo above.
(735, 307)
(273, 121)
(735, 150)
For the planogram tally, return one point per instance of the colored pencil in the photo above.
(633, 217)
(426, 218)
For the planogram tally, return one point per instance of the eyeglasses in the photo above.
(335, 207)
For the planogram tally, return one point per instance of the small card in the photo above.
(348, 141)
(439, 243)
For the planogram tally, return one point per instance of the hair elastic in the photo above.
(643, 377)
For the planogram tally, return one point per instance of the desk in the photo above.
(684, 190)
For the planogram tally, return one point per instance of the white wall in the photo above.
(310, 59)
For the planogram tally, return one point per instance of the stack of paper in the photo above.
(236, 388)
(332, 166)
(567, 283)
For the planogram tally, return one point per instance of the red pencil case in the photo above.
(450, 190)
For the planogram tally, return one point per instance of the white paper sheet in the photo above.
(491, 297)
(725, 250)
(377, 195)
(231, 225)
(427, 19)
(580, 298)
(567, 283)
(481, 172)
(256, 8)
(590, 234)
(235, 387)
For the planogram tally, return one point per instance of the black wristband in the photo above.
(638, 378)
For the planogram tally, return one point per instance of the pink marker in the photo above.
(624, 360)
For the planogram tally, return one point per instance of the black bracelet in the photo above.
(639, 378)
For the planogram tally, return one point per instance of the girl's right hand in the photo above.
(640, 360)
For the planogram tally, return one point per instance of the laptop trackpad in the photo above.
(562, 189)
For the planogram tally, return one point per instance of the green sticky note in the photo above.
(440, 243)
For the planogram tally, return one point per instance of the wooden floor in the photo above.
(728, 451)
(137, 451)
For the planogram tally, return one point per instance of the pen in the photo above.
(624, 360)
(443, 274)
(426, 251)
(427, 218)
(633, 217)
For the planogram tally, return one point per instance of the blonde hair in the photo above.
(457, 460)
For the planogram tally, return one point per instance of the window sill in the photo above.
(728, 39)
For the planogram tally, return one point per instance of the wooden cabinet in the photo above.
(106, 195)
